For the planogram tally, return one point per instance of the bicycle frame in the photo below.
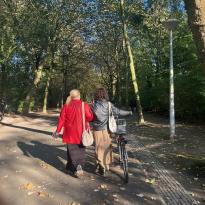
(123, 156)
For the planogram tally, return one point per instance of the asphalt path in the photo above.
(32, 170)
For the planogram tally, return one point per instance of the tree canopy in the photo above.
(49, 47)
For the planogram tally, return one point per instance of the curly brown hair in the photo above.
(101, 94)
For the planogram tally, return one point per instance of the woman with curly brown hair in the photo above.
(103, 145)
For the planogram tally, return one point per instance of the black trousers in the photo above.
(75, 156)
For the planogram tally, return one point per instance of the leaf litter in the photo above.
(31, 188)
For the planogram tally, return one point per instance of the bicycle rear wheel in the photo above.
(125, 162)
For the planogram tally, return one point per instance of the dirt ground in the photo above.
(184, 158)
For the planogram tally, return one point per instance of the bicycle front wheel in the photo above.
(125, 163)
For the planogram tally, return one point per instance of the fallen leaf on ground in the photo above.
(122, 188)
(114, 195)
(92, 178)
(196, 202)
(27, 186)
(30, 193)
(150, 181)
(140, 195)
(192, 194)
(42, 194)
(74, 203)
(96, 190)
(44, 165)
(103, 186)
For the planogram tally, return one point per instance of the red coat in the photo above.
(71, 120)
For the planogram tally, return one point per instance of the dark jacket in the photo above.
(100, 111)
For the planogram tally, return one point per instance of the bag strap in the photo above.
(83, 115)
(110, 109)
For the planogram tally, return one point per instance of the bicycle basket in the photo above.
(121, 126)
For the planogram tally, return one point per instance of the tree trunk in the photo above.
(111, 86)
(126, 74)
(196, 19)
(119, 86)
(114, 88)
(3, 81)
(27, 102)
(132, 66)
(45, 100)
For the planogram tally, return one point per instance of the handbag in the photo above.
(87, 136)
(112, 125)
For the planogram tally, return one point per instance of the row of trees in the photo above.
(49, 47)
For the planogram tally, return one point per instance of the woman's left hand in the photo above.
(55, 135)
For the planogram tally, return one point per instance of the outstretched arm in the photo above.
(117, 111)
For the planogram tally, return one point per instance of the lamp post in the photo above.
(171, 25)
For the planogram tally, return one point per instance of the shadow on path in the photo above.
(47, 153)
(55, 155)
(49, 117)
(51, 154)
(27, 128)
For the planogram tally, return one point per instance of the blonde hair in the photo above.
(68, 100)
(74, 94)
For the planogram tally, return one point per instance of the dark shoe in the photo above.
(70, 169)
(70, 172)
(79, 172)
(102, 171)
(67, 167)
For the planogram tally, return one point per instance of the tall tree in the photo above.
(7, 46)
(196, 18)
(132, 65)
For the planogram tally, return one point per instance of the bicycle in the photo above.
(121, 143)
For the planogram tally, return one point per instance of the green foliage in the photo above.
(190, 98)
(154, 72)
(80, 45)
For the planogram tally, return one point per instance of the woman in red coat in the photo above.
(71, 120)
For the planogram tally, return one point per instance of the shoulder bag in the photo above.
(87, 136)
(112, 125)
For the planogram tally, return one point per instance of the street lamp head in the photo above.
(171, 24)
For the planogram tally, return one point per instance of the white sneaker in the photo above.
(79, 171)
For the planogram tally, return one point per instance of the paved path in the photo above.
(172, 192)
(33, 172)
